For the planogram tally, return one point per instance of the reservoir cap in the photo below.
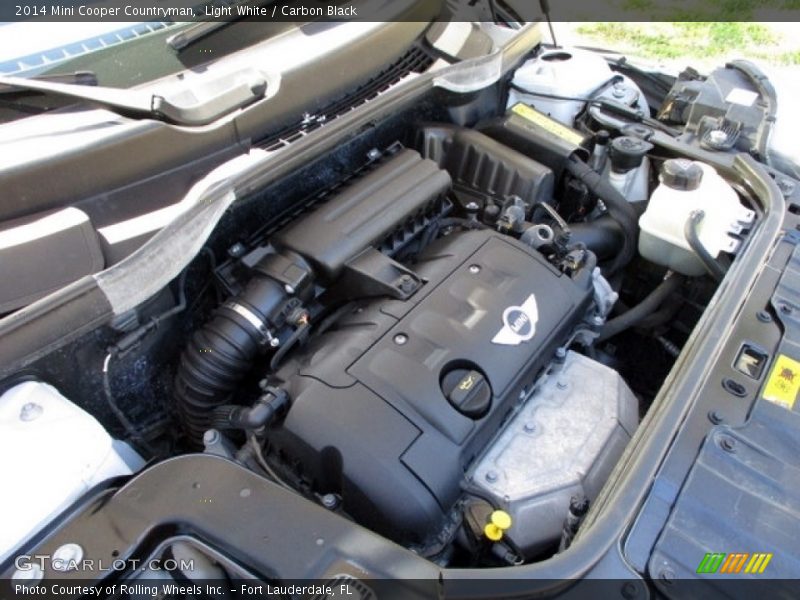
(626, 152)
(681, 174)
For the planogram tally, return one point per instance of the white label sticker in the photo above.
(741, 96)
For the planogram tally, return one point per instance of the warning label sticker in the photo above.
(783, 382)
(548, 124)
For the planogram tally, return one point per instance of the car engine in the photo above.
(427, 348)
(433, 332)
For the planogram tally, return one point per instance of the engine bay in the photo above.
(446, 330)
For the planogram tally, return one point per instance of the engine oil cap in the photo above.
(468, 391)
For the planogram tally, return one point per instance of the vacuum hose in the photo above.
(645, 308)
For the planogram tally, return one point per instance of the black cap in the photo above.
(681, 174)
(468, 392)
(626, 152)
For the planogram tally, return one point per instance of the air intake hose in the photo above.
(223, 350)
(618, 208)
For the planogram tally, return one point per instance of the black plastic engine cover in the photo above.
(369, 418)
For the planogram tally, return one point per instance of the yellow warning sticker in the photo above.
(783, 382)
(548, 124)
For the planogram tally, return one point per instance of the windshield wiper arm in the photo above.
(202, 104)
(76, 78)
(198, 31)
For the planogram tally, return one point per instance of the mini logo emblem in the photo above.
(519, 323)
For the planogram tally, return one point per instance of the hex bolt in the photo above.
(400, 339)
(30, 411)
(561, 353)
(66, 557)
(785, 308)
(329, 501)
(727, 443)
(530, 427)
(715, 417)
(562, 385)
(474, 269)
(289, 289)
(491, 476)
(785, 186)
(764, 316)
(406, 283)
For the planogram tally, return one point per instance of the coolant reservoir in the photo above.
(561, 72)
(51, 452)
(687, 186)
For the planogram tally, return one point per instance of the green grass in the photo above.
(706, 39)
(705, 10)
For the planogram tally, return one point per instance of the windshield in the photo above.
(120, 54)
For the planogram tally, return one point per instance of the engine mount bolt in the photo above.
(474, 269)
(28, 577)
(30, 411)
(400, 339)
(67, 557)
(329, 501)
(491, 476)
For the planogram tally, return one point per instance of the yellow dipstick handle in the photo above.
(499, 521)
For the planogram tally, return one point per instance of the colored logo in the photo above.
(734, 563)
(519, 323)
